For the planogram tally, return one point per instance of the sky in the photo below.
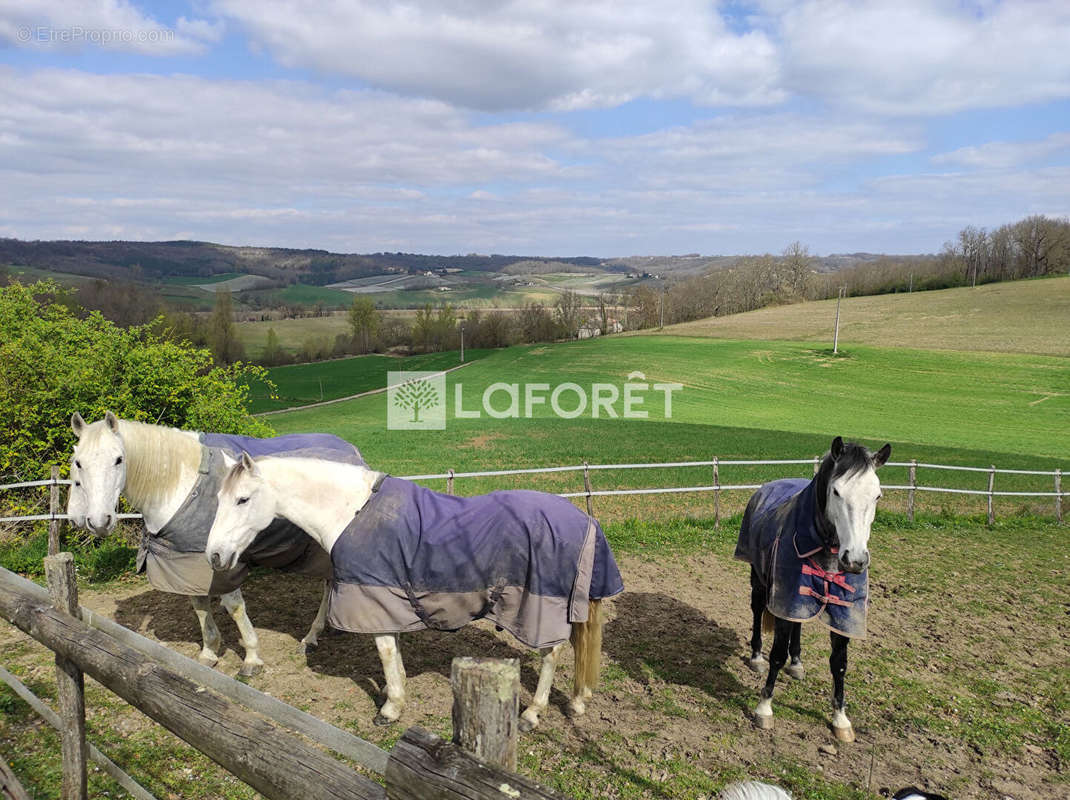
(536, 127)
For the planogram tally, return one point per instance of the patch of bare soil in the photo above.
(676, 689)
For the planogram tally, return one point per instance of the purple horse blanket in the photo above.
(173, 557)
(779, 538)
(413, 558)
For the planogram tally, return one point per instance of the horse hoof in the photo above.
(763, 722)
(845, 735)
(796, 671)
(758, 665)
(208, 661)
(382, 721)
(250, 670)
(304, 648)
(524, 725)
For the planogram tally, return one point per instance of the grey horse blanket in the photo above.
(779, 538)
(173, 557)
(413, 558)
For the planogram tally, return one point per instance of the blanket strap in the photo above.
(828, 598)
(835, 577)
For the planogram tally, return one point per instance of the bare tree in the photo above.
(568, 308)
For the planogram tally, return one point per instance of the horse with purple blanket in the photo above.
(172, 477)
(407, 558)
(807, 543)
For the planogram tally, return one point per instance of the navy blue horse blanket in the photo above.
(173, 557)
(413, 558)
(779, 538)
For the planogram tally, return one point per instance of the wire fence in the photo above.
(715, 485)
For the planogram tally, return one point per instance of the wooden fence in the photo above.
(255, 737)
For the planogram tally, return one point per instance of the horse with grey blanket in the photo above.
(172, 477)
(407, 558)
(808, 546)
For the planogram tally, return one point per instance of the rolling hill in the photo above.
(1012, 317)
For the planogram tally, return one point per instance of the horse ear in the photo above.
(882, 456)
(78, 425)
(112, 422)
(836, 449)
(249, 465)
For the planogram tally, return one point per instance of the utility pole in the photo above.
(662, 325)
(462, 342)
(911, 289)
(836, 335)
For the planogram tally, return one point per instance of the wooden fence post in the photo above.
(913, 485)
(716, 493)
(59, 571)
(991, 483)
(817, 464)
(53, 509)
(1058, 495)
(486, 700)
(449, 483)
(587, 487)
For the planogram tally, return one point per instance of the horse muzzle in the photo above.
(848, 562)
(101, 526)
(221, 562)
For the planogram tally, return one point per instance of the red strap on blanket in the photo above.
(827, 598)
(836, 577)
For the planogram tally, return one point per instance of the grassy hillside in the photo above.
(299, 384)
(740, 400)
(1013, 317)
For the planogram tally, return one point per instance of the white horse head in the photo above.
(852, 489)
(247, 505)
(77, 502)
(100, 460)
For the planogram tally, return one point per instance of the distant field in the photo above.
(196, 280)
(299, 384)
(305, 295)
(31, 274)
(291, 332)
(740, 400)
(1012, 317)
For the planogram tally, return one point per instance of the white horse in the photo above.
(155, 468)
(324, 500)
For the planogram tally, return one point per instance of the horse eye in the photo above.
(836, 492)
(118, 461)
(242, 501)
(77, 483)
(78, 464)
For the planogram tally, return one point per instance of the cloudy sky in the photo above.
(543, 127)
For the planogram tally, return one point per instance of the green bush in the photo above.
(54, 362)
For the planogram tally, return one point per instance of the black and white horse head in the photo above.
(847, 491)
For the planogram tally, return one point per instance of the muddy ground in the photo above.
(672, 719)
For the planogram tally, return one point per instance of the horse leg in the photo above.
(757, 662)
(530, 718)
(234, 603)
(795, 668)
(394, 673)
(841, 726)
(210, 638)
(778, 655)
(311, 640)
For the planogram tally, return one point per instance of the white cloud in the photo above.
(109, 24)
(916, 57)
(511, 54)
(1005, 155)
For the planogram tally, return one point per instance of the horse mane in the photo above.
(156, 458)
(855, 458)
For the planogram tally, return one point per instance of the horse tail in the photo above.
(768, 622)
(587, 644)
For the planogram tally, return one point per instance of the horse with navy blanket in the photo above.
(407, 558)
(807, 543)
(171, 476)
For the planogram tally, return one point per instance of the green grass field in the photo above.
(299, 384)
(1012, 317)
(194, 280)
(303, 295)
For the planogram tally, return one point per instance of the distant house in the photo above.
(614, 326)
(588, 330)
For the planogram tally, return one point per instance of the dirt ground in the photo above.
(676, 695)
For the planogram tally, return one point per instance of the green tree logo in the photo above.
(416, 395)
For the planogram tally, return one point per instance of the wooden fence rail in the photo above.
(262, 753)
